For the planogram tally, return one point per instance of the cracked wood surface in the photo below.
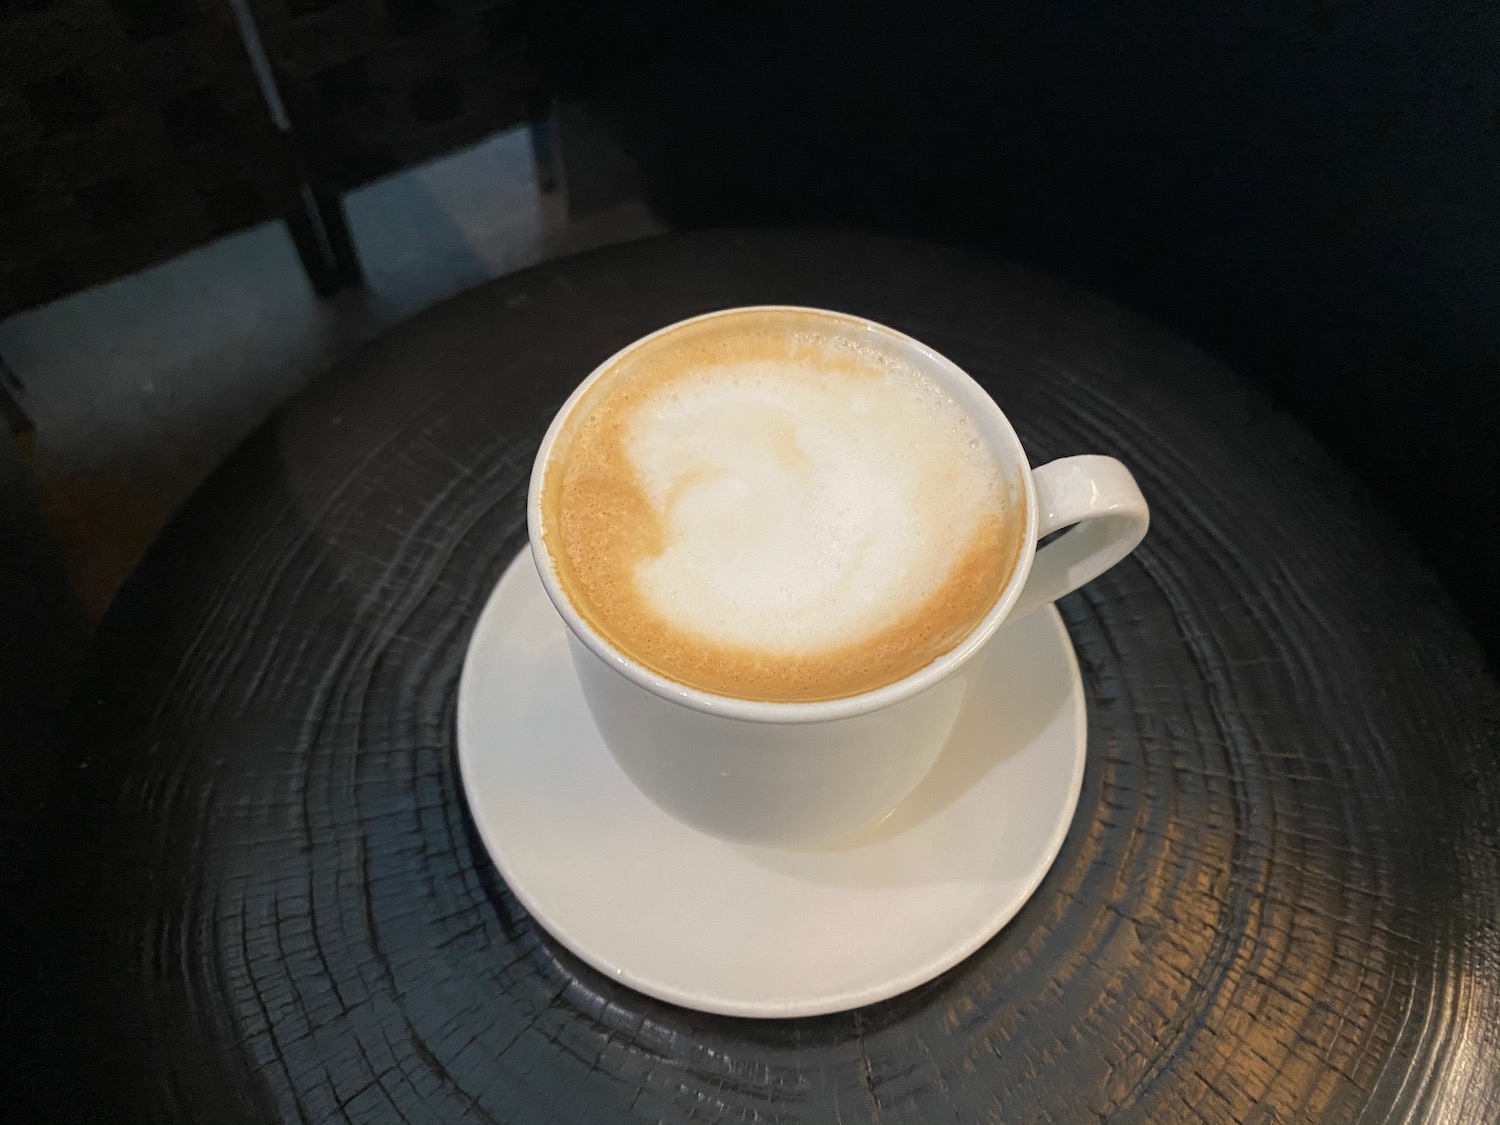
(1277, 902)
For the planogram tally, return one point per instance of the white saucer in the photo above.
(752, 931)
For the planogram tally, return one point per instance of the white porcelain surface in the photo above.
(755, 931)
(800, 773)
(781, 784)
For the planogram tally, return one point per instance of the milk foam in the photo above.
(804, 509)
(771, 505)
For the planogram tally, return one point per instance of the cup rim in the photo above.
(767, 711)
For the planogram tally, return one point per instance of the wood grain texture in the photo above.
(1278, 901)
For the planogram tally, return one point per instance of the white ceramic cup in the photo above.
(801, 773)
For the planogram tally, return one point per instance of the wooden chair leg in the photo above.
(320, 232)
(16, 418)
(544, 153)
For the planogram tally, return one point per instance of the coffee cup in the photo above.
(838, 471)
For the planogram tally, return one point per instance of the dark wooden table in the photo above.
(1278, 901)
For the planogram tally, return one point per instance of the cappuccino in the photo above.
(775, 505)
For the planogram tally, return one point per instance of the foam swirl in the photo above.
(764, 506)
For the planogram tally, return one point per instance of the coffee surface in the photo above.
(775, 505)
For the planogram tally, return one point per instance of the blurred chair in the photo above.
(134, 130)
(371, 87)
(129, 132)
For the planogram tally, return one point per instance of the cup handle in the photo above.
(1099, 502)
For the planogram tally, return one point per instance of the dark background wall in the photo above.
(1309, 191)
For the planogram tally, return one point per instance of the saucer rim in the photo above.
(777, 1008)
